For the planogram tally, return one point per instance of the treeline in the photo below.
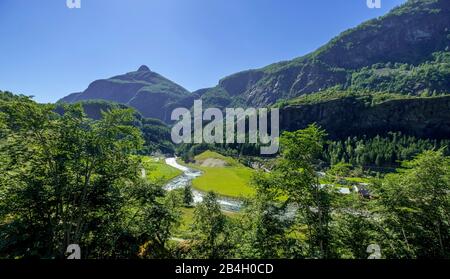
(155, 132)
(157, 137)
(367, 152)
(427, 79)
(387, 151)
(388, 81)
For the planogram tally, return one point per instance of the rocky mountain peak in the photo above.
(144, 68)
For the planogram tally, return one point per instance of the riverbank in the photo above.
(189, 174)
(156, 169)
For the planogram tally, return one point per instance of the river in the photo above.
(186, 178)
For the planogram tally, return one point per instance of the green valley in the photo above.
(222, 175)
(130, 169)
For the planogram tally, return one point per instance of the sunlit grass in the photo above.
(158, 171)
(231, 180)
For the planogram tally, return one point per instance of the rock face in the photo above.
(408, 34)
(341, 118)
(150, 93)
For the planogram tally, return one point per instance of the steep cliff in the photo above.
(352, 116)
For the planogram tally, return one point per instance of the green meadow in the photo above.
(223, 175)
(158, 171)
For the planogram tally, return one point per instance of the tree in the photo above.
(354, 227)
(339, 171)
(261, 233)
(295, 180)
(188, 197)
(156, 215)
(63, 178)
(416, 207)
(210, 235)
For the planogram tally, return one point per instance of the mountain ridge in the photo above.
(406, 50)
(147, 91)
(419, 28)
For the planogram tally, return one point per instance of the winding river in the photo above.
(186, 178)
(227, 204)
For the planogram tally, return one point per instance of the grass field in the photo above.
(230, 180)
(158, 171)
(214, 155)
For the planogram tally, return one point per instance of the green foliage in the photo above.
(157, 137)
(431, 77)
(354, 228)
(380, 151)
(416, 208)
(188, 196)
(294, 177)
(94, 108)
(216, 97)
(261, 233)
(155, 132)
(339, 171)
(155, 216)
(68, 179)
(210, 235)
(408, 219)
(334, 93)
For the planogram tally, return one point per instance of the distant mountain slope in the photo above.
(409, 35)
(150, 93)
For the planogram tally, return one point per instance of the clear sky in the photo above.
(49, 51)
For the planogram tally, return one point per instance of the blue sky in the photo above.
(49, 51)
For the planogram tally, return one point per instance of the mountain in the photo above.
(406, 51)
(404, 39)
(150, 93)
